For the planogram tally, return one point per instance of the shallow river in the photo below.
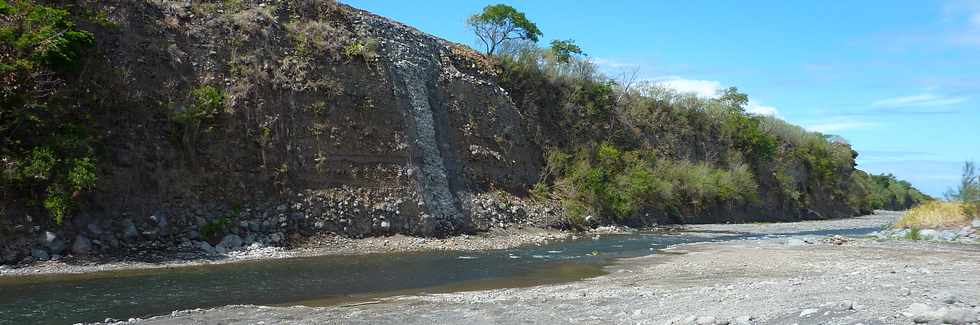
(321, 281)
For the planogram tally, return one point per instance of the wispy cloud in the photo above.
(613, 64)
(921, 100)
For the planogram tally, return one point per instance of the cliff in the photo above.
(284, 119)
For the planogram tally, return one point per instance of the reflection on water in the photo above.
(318, 281)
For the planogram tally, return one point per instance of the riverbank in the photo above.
(771, 280)
(315, 246)
(496, 238)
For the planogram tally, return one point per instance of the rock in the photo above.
(220, 249)
(94, 229)
(52, 242)
(231, 242)
(966, 231)
(206, 247)
(809, 311)
(742, 320)
(948, 298)
(795, 242)
(947, 235)
(39, 254)
(844, 305)
(276, 237)
(81, 246)
(705, 320)
(922, 313)
(904, 292)
(129, 229)
(928, 234)
(958, 316)
(901, 233)
(975, 223)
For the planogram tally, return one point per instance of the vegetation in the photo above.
(500, 23)
(968, 192)
(46, 143)
(934, 214)
(622, 149)
(564, 50)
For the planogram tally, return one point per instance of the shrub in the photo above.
(207, 104)
(365, 49)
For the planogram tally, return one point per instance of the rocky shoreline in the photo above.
(317, 246)
(834, 280)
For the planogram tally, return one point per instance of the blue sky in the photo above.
(900, 80)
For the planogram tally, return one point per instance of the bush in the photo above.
(365, 49)
(207, 104)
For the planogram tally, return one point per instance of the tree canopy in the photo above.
(500, 23)
(564, 49)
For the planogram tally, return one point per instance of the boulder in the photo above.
(975, 223)
(39, 254)
(966, 231)
(206, 247)
(928, 234)
(231, 242)
(52, 242)
(81, 246)
(129, 229)
(947, 235)
(921, 313)
(742, 320)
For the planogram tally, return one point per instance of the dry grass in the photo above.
(934, 214)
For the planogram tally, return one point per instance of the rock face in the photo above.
(335, 120)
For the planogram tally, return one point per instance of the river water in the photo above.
(326, 280)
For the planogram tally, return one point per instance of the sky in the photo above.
(899, 79)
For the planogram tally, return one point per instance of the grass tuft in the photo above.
(934, 214)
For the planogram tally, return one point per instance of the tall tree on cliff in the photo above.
(499, 23)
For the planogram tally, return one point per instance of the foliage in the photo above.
(214, 229)
(968, 192)
(500, 23)
(914, 234)
(563, 50)
(207, 104)
(366, 49)
(46, 139)
(611, 183)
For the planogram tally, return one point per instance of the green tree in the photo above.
(500, 23)
(564, 49)
(734, 99)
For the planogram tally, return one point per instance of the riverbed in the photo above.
(362, 280)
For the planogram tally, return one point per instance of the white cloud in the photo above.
(702, 88)
(922, 100)
(709, 89)
(759, 109)
(613, 64)
(838, 124)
